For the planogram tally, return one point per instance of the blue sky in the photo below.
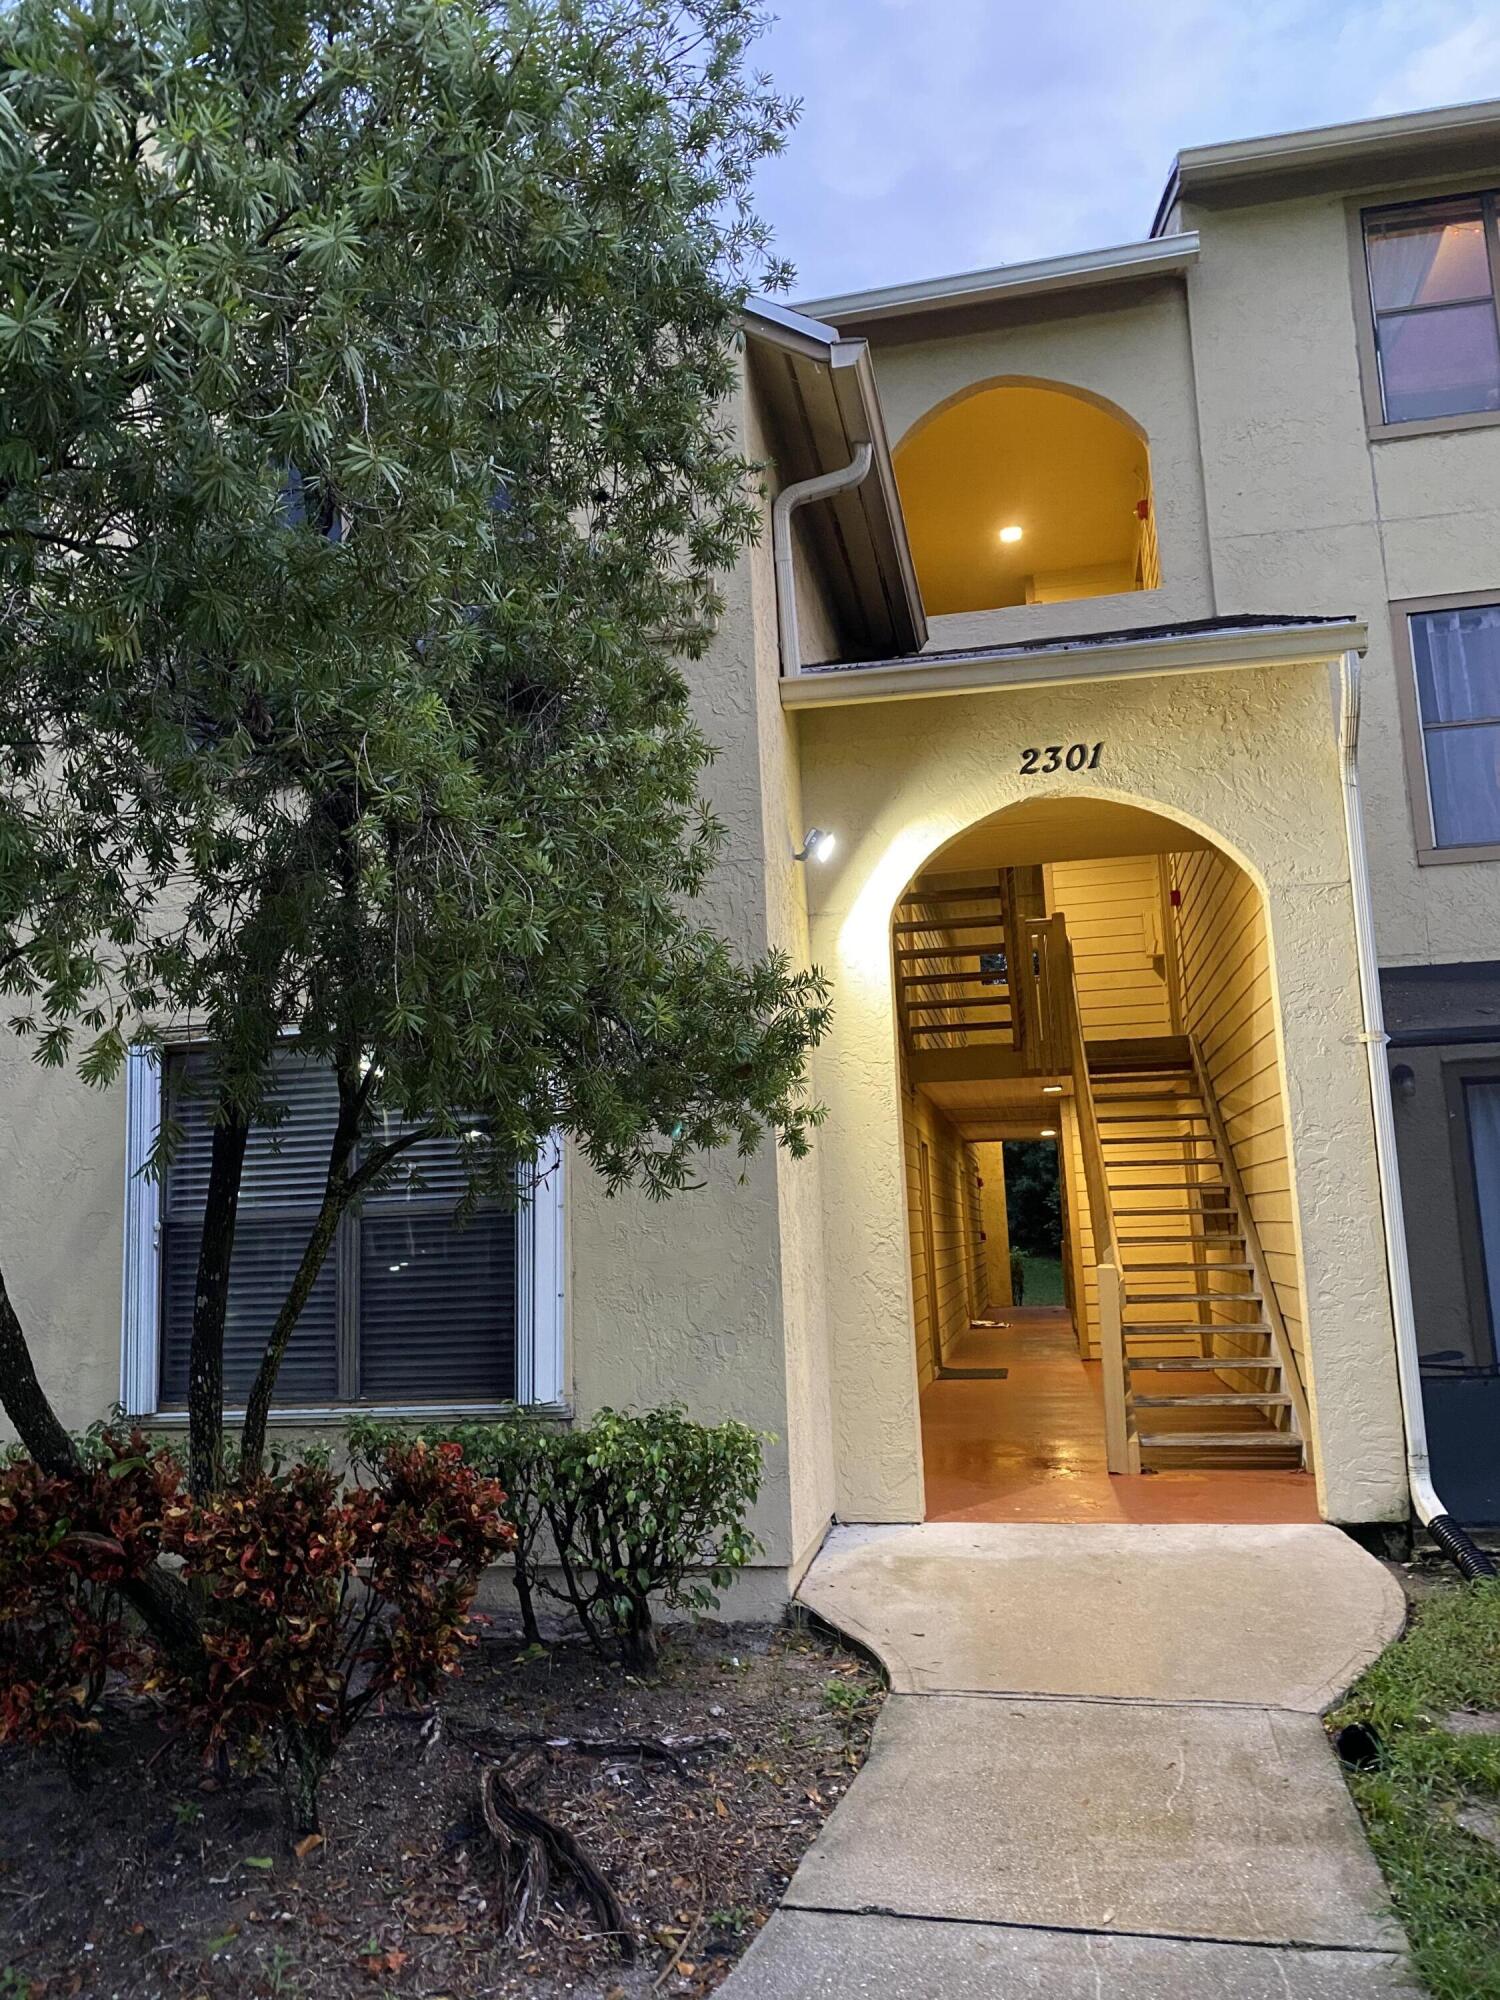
(947, 135)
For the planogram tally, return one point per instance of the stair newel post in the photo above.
(1121, 1452)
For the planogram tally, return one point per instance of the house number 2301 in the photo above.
(1059, 756)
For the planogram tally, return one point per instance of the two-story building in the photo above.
(1131, 621)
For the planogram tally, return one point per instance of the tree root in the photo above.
(671, 1750)
(532, 1850)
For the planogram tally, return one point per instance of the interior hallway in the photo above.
(1031, 1447)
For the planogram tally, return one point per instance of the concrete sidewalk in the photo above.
(1100, 1772)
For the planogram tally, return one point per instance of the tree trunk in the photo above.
(258, 1403)
(211, 1300)
(25, 1401)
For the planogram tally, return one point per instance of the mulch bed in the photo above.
(156, 1880)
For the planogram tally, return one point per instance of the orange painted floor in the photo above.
(1031, 1448)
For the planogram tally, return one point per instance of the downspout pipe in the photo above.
(1434, 1516)
(787, 501)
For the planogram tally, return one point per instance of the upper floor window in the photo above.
(1455, 669)
(1432, 269)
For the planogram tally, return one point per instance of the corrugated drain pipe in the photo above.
(1439, 1523)
(788, 500)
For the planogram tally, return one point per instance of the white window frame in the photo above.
(541, 1281)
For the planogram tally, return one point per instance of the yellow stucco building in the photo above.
(1131, 620)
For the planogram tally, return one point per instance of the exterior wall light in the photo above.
(818, 845)
(1011, 534)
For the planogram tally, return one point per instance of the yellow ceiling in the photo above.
(1070, 829)
(1067, 473)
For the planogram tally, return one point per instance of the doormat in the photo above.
(972, 1374)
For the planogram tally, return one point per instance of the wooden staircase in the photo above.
(1209, 1380)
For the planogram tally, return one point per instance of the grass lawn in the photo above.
(1421, 1780)
(1044, 1285)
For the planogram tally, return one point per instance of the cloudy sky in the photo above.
(947, 135)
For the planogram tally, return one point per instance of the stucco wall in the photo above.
(717, 1297)
(1247, 757)
(1135, 356)
(1306, 514)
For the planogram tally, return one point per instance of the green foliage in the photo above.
(367, 469)
(515, 1453)
(1032, 1195)
(1444, 1877)
(649, 1506)
(1017, 1276)
(68, 1547)
(628, 1509)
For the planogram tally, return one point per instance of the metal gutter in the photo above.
(1430, 1510)
(1399, 139)
(1040, 665)
(787, 501)
(851, 375)
(1158, 256)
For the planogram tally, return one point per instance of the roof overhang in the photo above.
(820, 395)
(1424, 145)
(1081, 271)
(1212, 646)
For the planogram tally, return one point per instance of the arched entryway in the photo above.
(1107, 1302)
(1243, 762)
(1026, 491)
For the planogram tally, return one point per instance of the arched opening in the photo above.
(1104, 1265)
(1027, 492)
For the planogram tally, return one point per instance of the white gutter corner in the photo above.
(787, 501)
(1425, 1499)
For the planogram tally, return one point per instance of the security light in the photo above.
(818, 845)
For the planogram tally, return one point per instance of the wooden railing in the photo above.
(971, 973)
(1122, 1452)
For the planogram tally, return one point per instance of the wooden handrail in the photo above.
(1255, 1254)
(1122, 1451)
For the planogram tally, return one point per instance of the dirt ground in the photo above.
(156, 1880)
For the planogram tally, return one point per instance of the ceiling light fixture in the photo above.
(1049, 1132)
(1011, 534)
(1052, 1090)
(818, 845)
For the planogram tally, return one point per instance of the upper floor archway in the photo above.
(1021, 490)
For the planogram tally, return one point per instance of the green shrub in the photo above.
(641, 1507)
(514, 1452)
(625, 1511)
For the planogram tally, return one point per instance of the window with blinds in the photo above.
(411, 1306)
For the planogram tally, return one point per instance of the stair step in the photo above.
(1168, 1364)
(1193, 1265)
(1182, 1208)
(1207, 1242)
(1189, 1298)
(1276, 1398)
(1150, 1117)
(1130, 1326)
(1220, 1441)
(1118, 1166)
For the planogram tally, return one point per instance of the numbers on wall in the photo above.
(1059, 757)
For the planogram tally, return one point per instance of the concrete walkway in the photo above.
(1100, 1772)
